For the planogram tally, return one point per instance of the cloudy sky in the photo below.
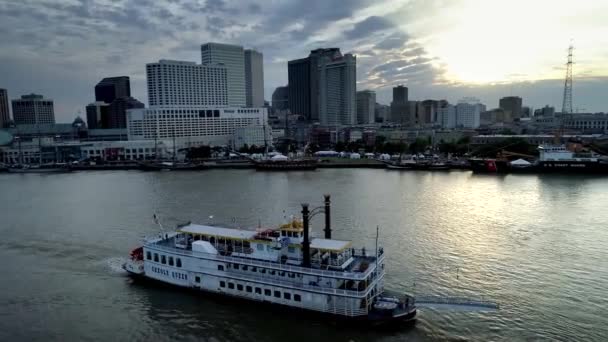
(441, 49)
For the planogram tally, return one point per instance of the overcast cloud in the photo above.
(62, 48)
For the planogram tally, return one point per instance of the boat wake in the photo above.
(114, 265)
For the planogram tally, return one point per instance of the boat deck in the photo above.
(360, 265)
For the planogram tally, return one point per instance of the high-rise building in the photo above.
(299, 92)
(33, 109)
(233, 58)
(399, 105)
(254, 78)
(429, 112)
(118, 111)
(98, 115)
(5, 116)
(447, 116)
(111, 88)
(546, 111)
(468, 113)
(366, 107)
(280, 98)
(303, 77)
(513, 105)
(178, 83)
(383, 113)
(337, 90)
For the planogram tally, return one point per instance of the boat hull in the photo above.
(41, 170)
(287, 165)
(372, 319)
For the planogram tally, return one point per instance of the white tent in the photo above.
(279, 157)
(520, 162)
(355, 156)
(385, 156)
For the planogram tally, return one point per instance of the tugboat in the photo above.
(282, 266)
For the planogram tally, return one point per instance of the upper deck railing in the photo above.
(275, 265)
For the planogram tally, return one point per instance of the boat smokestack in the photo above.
(306, 242)
(327, 216)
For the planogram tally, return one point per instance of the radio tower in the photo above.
(567, 104)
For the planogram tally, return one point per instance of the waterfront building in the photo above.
(254, 78)
(111, 88)
(280, 98)
(586, 122)
(186, 84)
(366, 107)
(33, 109)
(192, 126)
(5, 116)
(257, 135)
(399, 105)
(512, 105)
(493, 116)
(233, 59)
(337, 90)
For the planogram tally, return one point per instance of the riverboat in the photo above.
(283, 266)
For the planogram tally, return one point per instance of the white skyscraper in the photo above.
(233, 57)
(447, 116)
(468, 113)
(254, 78)
(337, 90)
(178, 83)
(366, 106)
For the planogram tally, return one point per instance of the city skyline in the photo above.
(469, 54)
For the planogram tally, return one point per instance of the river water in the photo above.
(534, 244)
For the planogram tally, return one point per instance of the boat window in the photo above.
(291, 249)
(235, 266)
(178, 263)
(258, 290)
(272, 272)
(220, 267)
(267, 292)
(244, 267)
(197, 279)
(286, 295)
(239, 287)
(222, 284)
(253, 269)
(291, 275)
(282, 274)
(170, 261)
(163, 259)
(148, 255)
(248, 288)
(231, 286)
(155, 257)
(277, 294)
(260, 247)
(297, 298)
(262, 270)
